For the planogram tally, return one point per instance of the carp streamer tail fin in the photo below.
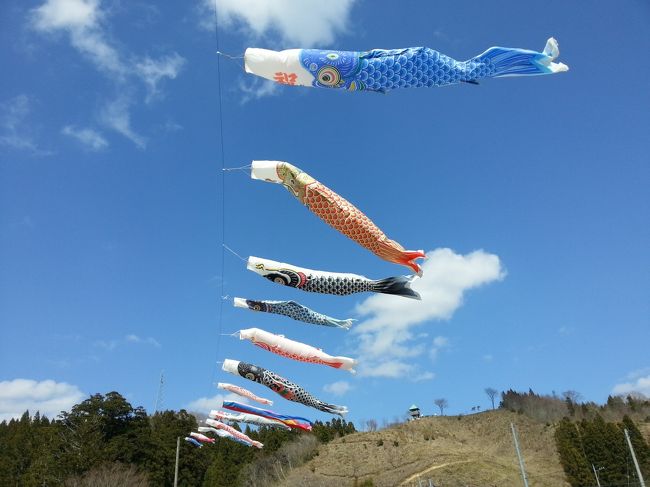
(408, 258)
(345, 324)
(334, 409)
(400, 285)
(522, 62)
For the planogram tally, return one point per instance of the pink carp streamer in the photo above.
(233, 432)
(301, 352)
(244, 393)
(201, 438)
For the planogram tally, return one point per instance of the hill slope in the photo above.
(474, 450)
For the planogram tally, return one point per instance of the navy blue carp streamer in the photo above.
(382, 70)
(293, 310)
(338, 283)
(280, 385)
(192, 441)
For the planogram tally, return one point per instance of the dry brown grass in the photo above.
(475, 450)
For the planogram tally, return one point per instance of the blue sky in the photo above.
(531, 195)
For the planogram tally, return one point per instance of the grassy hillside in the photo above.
(474, 450)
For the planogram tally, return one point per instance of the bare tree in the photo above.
(442, 404)
(491, 393)
(371, 425)
(571, 395)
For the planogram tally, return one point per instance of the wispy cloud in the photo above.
(385, 337)
(16, 131)
(113, 344)
(87, 136)
(566, 330)
(84, 23)
(640, 385)
(256, 88)
(205, 404)
(488, 357)
(153, 71)
(116, 115)
(438, 344)
(147, 341)
(300, 23)
(48, 397)
(338, 388)
(108, 345)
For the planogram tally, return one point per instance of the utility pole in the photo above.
(636, 464)
(596, 474)
(178, 447)
(521, 460)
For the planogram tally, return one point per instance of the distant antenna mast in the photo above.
(159, 396)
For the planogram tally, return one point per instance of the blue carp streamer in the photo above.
(382, 70)
(293, 310)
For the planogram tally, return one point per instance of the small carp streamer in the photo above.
(244, 393)
(233, 432)
(329, 282)
(382, 70)
(295, 422)
(293, 310)
(301, 352)
(201, 438)
(192, 441)
(222, 434)
(247, 418)
(280, 385)
(336, 211)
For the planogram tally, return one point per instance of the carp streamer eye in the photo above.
(333, 56)
(329, 76)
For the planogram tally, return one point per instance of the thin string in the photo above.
(234, 59)
(222, 188)
(233, 252)
(242, 168)
(229, 56)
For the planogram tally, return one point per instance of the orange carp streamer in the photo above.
(336, 211)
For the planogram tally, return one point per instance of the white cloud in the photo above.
(641, 384)
(385, 336)
(488, 357)
(257, 88)
(147, 341)
(116, 115)
(153, 71)
(108, 345)
(15, 129)
(81, 20)
(88, 137)
(205, 404)
(84, 23)
(635, 374)
(66, 14)
(338, 388)
(298, 23)
(48, 397)
(438, 344)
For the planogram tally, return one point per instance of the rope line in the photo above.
(234, 253)
(241, 168)
(221, 187)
